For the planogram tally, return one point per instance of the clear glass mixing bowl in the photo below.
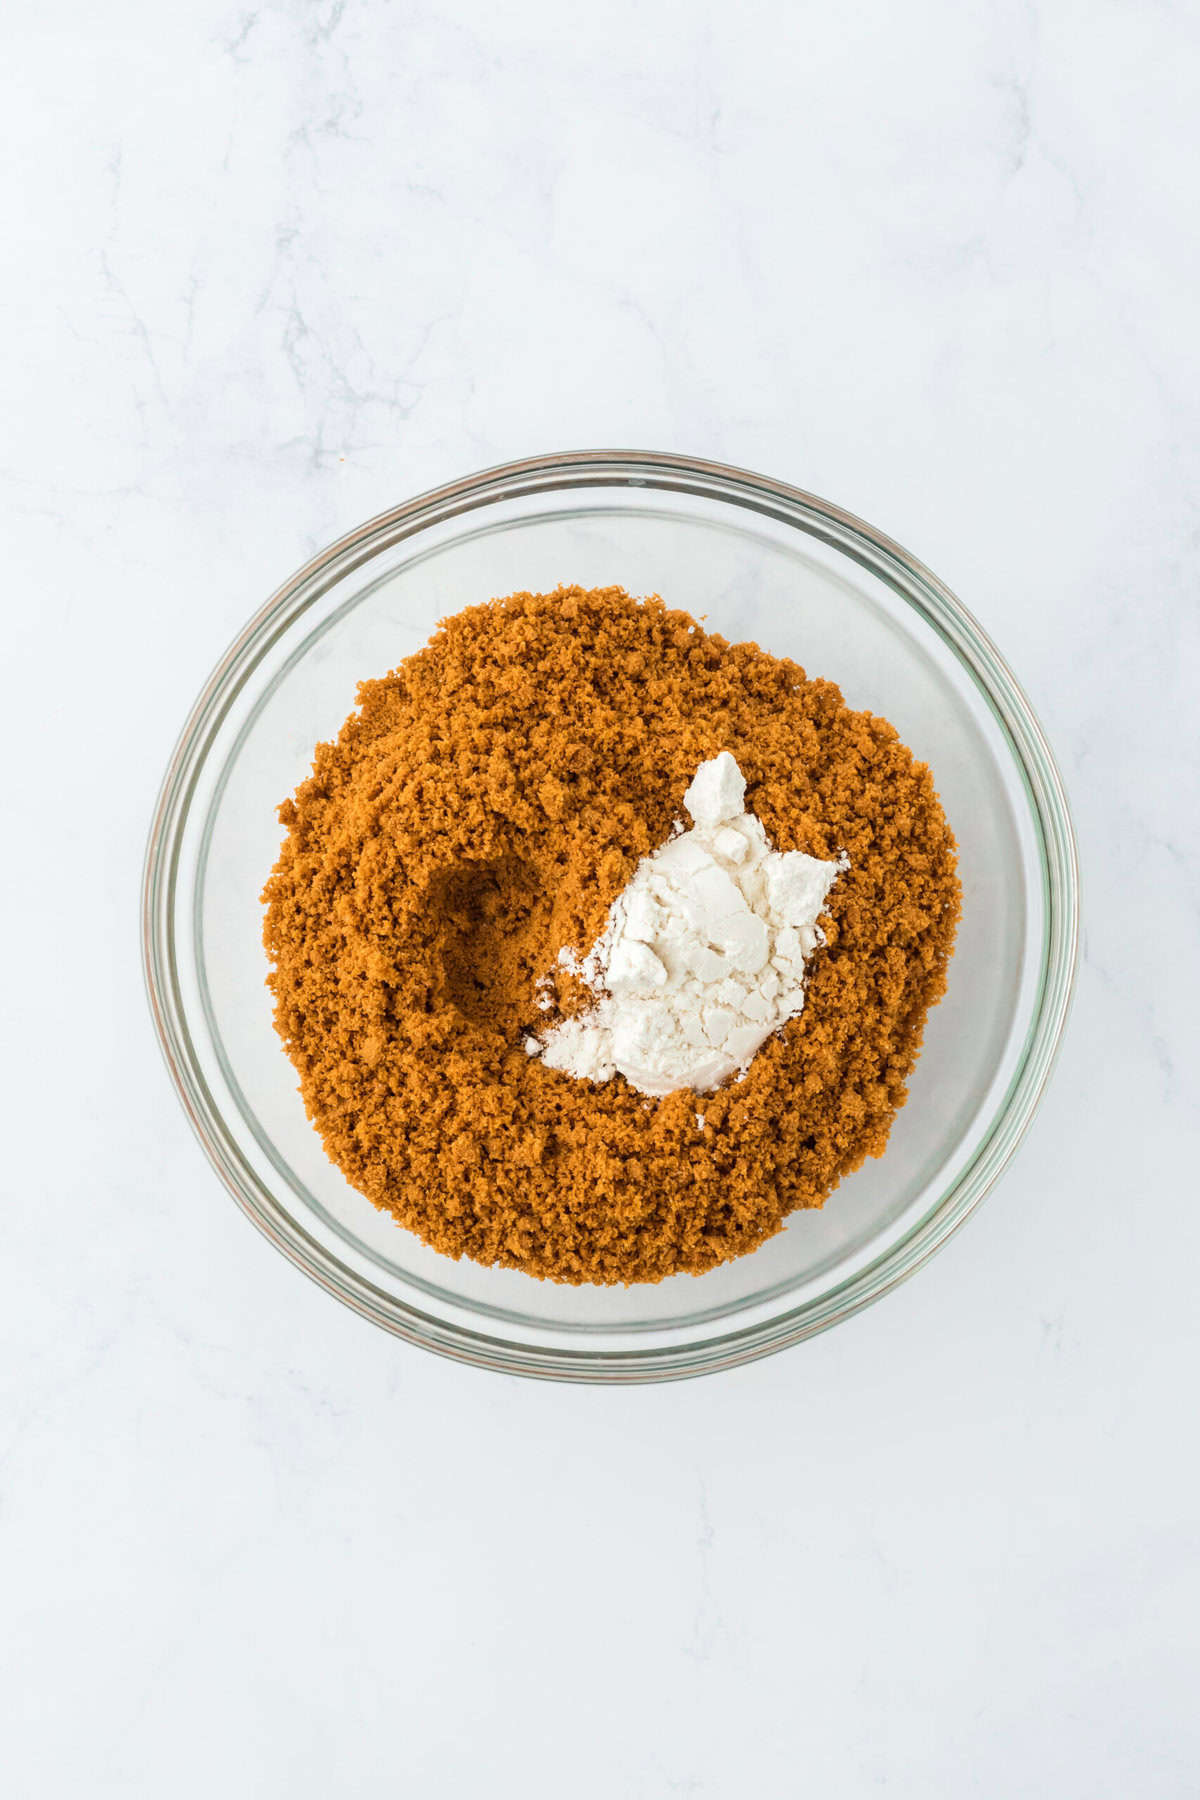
(758, 560)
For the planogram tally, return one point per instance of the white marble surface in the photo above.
(266, 273)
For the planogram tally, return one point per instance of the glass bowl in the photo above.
(757, 560)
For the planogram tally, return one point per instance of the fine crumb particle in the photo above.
(477, 815)
(700, 1121)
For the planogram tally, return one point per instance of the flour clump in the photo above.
(702, 954)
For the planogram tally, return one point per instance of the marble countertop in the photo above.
(269, 272)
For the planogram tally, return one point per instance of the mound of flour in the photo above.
(702, 955)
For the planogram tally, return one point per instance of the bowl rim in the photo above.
(992, 676)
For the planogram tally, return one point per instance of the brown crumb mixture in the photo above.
(484, 807)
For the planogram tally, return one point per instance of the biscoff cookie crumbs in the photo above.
(479, 812)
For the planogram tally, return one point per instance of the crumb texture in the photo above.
(482, 809)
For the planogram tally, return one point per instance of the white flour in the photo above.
(702, 955)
